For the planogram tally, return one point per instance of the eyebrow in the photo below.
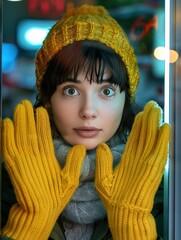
(71, 80)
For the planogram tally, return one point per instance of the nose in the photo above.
(88, 108)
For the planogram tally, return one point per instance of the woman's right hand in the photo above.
(42, 188)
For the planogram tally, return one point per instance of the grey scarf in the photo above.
(85, 206)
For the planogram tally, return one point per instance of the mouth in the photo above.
(87, 132)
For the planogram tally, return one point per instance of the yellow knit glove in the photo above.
(128, 191)
(42, 188)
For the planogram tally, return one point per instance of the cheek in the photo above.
(61, 115)
(117, 114)
(114, 111)
(114, 117)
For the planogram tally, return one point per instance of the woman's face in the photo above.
(85, 113)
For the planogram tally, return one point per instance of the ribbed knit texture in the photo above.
(87, 23)
(42, 188)
(128, 190)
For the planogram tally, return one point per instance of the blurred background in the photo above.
(25, 23)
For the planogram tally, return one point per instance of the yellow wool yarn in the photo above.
(128, 190)
(42, 186)
(87, 23)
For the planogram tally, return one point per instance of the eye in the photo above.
(108, 91)
(70, 91)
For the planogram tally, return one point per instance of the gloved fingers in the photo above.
(132, 150)
(145, 146)
(15, 164)
(29, 111)
(47, 161)
(149, 128)
(149, 135)
(150, 175)
(20, 128)
(31, 123)
(25, 131)
(8, 142)
(31, 162)
(71, 172)
(74, 161)
(159, 155)
(45, 141)
(138, 135)
(44, 132)
(131, 156)
(104, 169)
(142, 138)
(67, 179)
(26, 141)
(134, 136)
(10, 151)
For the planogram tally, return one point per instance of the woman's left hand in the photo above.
(128, 191)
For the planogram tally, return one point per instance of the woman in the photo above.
(86, 80)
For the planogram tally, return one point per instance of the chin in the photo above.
(90, 146)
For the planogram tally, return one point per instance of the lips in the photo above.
(87, 132)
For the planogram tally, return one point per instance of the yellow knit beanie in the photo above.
(87, 23)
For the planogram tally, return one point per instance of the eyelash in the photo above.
(68, 88)
(109, 87)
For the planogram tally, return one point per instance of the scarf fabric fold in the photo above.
(85, 206)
